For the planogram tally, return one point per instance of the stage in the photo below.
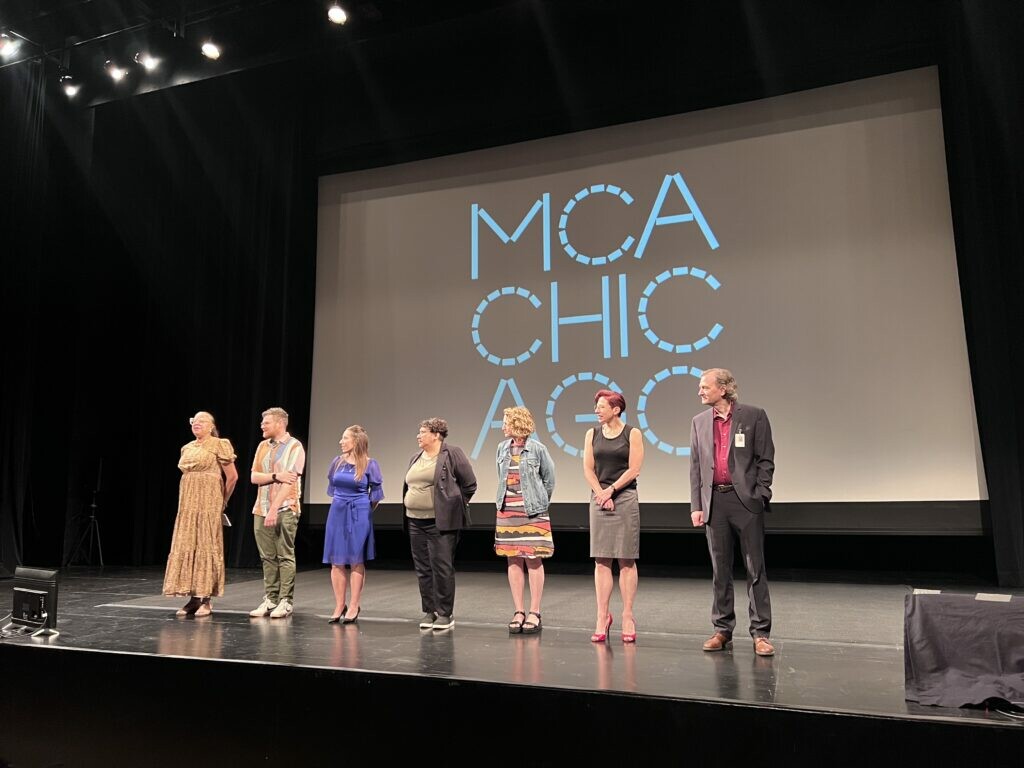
(127, 681)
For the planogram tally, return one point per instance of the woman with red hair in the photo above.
(613, 453)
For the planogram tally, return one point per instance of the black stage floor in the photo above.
(839, 656)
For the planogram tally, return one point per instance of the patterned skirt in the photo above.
(195, 565)
(519, 535)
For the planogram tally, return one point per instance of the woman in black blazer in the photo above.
(438, 486)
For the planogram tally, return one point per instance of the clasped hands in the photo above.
(603, 498)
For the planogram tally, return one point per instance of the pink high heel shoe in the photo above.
(601, 637)
(629, 637)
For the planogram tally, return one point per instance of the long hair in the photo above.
(359, 456)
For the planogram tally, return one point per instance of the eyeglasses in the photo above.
(192, 420)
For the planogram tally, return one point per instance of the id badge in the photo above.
(741, 440)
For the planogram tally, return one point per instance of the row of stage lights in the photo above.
(117, 73)
(11, 43)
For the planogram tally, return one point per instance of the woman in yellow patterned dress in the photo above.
(195, 565)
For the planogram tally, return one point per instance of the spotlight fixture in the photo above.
(337, 14)
(147, 61)
(116, 73)
(8, 45)
(69, 86)
(211, 50)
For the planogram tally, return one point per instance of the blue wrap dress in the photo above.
(349, 535)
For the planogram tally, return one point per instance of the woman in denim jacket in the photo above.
(526, 480)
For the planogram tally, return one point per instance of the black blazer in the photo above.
(752, 467)
(454, 486)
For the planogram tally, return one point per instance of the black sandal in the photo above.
(531, 627)
(515, 627)
(189, 608)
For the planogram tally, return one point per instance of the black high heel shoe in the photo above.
(354, 619)
(338, 619)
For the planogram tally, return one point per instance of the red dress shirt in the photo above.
(722, 427)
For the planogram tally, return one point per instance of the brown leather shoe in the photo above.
(717, 642)
(762, 647)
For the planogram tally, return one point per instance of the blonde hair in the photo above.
(724, 379)
(520, 421)
(277, 413)
(213, 422)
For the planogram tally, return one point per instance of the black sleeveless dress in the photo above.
(614, 533)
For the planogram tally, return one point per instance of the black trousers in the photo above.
(730, 520)
(433, 556)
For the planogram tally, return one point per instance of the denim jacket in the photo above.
(536, 475)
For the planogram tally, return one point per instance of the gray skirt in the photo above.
(616, 533)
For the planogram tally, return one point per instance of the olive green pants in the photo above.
(277, 551)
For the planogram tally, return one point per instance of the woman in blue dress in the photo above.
(354, 484)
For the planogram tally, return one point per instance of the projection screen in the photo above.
(803, 241)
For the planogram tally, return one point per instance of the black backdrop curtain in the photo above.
(206, 288)
(41, 184)
(174, 275)
(982, 79)
(22, 152)
(167, 264)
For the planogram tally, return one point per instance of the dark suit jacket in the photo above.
(454, 486)
(751, 466)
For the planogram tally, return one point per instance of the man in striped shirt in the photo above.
(277, 471)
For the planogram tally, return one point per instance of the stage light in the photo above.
(211, 50)
(8, 45)
(69, 86)
(337, 14)
(147, 61)
(116, 73)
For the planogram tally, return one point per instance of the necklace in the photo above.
(609, 432)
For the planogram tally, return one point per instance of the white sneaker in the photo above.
(263, 609)
(283, 610)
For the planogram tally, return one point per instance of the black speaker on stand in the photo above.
(82, 552)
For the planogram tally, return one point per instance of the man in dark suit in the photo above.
(732, 460)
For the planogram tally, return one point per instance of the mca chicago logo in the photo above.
(486, 228)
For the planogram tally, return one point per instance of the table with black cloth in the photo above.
(963, 651)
